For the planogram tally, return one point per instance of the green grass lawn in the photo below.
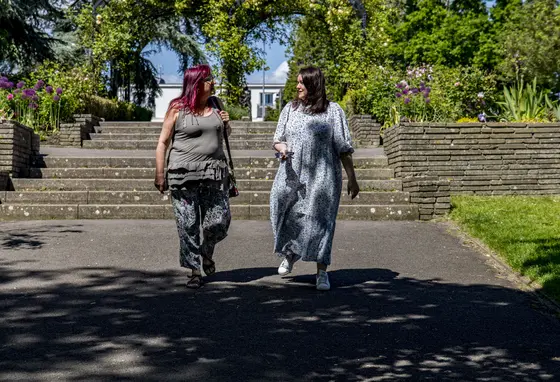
(525, 231)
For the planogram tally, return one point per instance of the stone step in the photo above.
(145, 211)
(30, 184)
(148, 173)
(154, 137)
(140, 162)
(155, 198)
(157, 130)
(255, 144)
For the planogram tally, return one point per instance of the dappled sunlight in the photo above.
(121, 324)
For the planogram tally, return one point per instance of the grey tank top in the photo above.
(196, 152)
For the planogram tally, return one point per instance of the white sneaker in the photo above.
(287, 264)
(323, 281)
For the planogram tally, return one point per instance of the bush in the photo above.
(37, 106)
(115, 110)
(423, 94)
(271, 114)
(236, 112)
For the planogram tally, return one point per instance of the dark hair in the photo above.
(193, 81)
(316, 101)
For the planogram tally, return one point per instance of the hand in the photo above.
(353, 188)
(224, 115)
(283, 150)
(159, 182)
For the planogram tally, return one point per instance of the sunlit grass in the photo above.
(524, 231)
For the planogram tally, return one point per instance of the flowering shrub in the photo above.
(37, 107)
(424, 93)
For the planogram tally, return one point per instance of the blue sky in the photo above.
(168, 64)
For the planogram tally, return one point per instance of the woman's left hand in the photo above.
(353, 188)
(224, 115)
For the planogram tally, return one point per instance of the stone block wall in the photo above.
(73, 134)
(481, 159)
(18, 145)
(365, 131)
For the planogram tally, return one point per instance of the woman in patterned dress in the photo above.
(197, 171)
(312, 139)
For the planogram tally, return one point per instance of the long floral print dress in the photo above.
(306, 191)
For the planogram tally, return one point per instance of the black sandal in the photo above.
(209, 266)
(195, 282)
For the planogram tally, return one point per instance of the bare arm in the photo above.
(348, 163)
(163, 144)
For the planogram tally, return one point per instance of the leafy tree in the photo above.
(439, 32)
(23, 41)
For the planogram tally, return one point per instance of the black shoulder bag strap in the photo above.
(220, 106)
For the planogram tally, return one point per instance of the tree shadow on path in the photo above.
(113, 324)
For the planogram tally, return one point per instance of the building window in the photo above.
(268, 99)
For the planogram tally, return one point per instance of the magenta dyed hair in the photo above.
(193, 82)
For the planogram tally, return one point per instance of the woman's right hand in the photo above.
(159, 182)
(282, 148)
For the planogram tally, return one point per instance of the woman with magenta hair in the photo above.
(197, 171)
(312, 140)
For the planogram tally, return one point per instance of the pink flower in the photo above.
(10, 97)
(457, 84)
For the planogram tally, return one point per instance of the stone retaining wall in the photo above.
(365, 131)
(18, 145)
(481, 159)
(73, 134)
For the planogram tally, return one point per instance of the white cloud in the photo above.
(280, 74)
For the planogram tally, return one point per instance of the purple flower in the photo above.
(33, 105)
(10, 85)
(405, 91)
(414, 90)
(398, 95)
(428, 90)
(10, 97)
(406, 100)
(482, 117)
(17, 91)
(3, 79)
(29, 92)
(35, 98)
(427, 100)
(20, 84)
(59, 91)
(49, 89)
(56, 98)
(39, 85)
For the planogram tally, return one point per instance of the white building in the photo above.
(270, 97)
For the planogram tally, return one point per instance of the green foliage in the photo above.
(423, 93)
(115, 110)
(120, 34)
(524, 103)
(236, 112)
(438, 32)
(37, 106)
(23, 41)
(77, 82)
(528, 46)
(271, 114)
(554, 109)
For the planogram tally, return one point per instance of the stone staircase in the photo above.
(135, 136)
(112, 177)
